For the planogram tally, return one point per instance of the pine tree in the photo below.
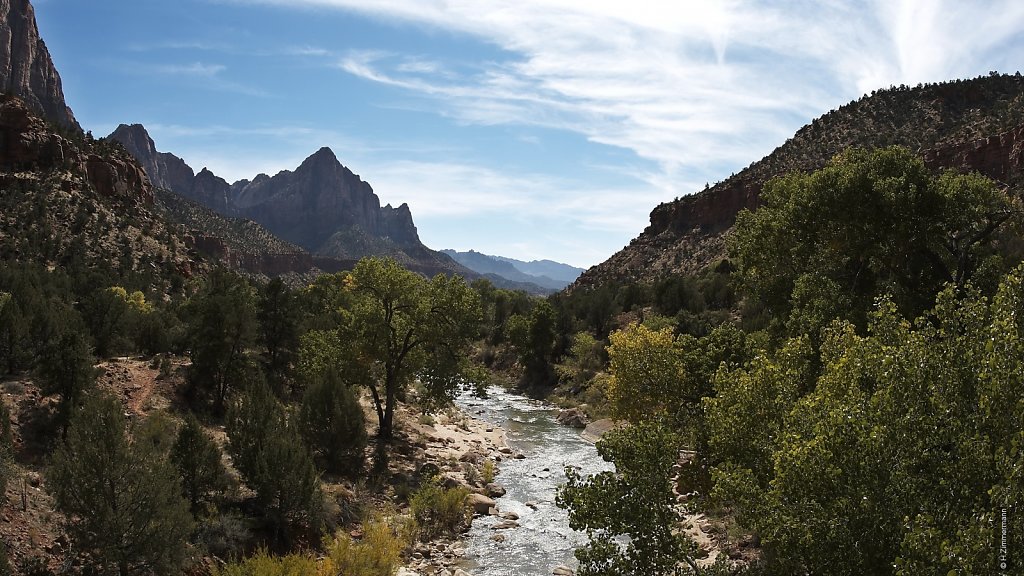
(222, 325)
(198, 460)
(268, 451)
(66, 368)
(333, 423)
(122, 498)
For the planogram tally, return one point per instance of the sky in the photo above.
(523, 128)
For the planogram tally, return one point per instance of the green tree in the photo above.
(825, 244)
(405, 327)
(333, 423)
(198, 460)
(268, 451)
(904, 454)
(222, 329)
(14, 327)
(634, 500)
(583, 361)
(121, 498)
(648, 375)
(540, 345)
(278, 316)
(66, 368)
(744, 420)
(106, 313)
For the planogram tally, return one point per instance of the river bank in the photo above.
(517, 530)
(454, 445)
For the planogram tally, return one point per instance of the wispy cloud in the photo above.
(197, 69)
(210, 76)
(690, 83)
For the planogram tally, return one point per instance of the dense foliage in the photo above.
(121, 496)
(874, 427)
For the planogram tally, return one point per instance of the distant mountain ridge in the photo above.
(547, 274)
(321, 206)
(967, 124)
(549, 268)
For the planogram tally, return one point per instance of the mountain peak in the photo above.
(134, 138)
(322, 157)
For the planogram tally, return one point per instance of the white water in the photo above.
(543, 539)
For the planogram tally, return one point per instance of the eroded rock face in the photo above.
(28, 143)
(1000, 157)
(26, 69)
(165, 170)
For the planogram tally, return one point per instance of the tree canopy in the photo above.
(397, 327)
(826, 243)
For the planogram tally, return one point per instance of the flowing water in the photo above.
(543, 539)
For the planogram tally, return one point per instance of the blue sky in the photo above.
(521, 128)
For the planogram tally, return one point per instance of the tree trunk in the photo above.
(387, 425)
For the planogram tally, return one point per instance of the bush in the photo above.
(225, 535)
(378, 553)
(264, 564)
(6, 449)
(488, 471)
(439, 510)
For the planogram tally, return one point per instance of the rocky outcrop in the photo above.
(165, 170)
(1000, 157)
(264, 263)
(966, 124)
(26, 69)
(28, 143)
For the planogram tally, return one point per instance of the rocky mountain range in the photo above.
(321, 206)
(26, 69)
(546, 275)
(973, 125)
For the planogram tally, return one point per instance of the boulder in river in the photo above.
(495, 490)
(505, 524)
(480, 503)
(562, 570)
(573, 417)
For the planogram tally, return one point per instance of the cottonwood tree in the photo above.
(826, 243)
(121, 497)
(903, 456)
(634, 500)
(401, 327)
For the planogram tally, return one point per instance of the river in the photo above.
(543, 539)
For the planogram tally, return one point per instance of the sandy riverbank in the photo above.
(458, 444)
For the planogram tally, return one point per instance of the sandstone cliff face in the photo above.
(26, 69)
(1000, 157)
(968, 124)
